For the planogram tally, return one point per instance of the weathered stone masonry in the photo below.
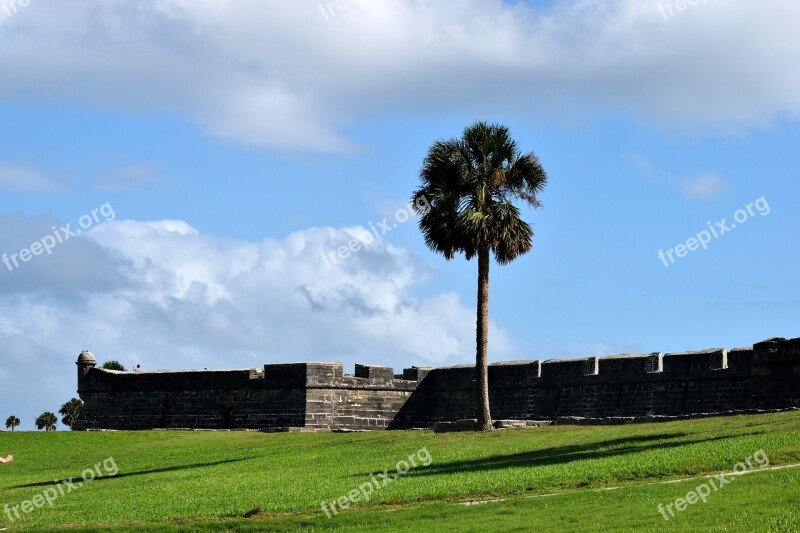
(319, 396)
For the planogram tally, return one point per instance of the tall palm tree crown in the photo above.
(470, 186)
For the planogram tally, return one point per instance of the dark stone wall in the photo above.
(319, 396)
(229, 399)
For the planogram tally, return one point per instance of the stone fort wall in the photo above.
(319, 396)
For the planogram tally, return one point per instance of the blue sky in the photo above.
(236, 142)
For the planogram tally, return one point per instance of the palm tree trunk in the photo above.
(482, 338)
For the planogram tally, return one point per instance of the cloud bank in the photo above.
(281, 75)
(168, 297)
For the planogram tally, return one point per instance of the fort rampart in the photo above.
(319, 396)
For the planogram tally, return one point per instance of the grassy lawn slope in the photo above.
(213, 480)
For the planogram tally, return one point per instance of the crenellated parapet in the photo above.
(320, 396)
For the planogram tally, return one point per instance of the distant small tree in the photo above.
(46, 421)
(114, 365)
(70, 412)
(12, 422)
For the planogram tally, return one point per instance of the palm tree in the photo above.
(469, 186)
(114, 365)
(46, 421)
(12, 422)
(70, 412)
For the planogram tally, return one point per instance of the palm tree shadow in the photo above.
(138, 473)
(562, 454)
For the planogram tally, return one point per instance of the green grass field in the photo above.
(242, 481)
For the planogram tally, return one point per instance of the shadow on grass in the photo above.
(562, 454)
(139, 473)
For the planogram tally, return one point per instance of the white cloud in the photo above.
(703, 187)
(277, 74)
(23, 178)
(166, 296)
(647, 168)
